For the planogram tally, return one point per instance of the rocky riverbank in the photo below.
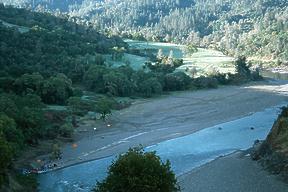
(273, 152)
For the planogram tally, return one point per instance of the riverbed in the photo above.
(188, 128)
(185, 153)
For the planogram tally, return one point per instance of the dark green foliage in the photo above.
(50, 45)
(117, 84)
(242, 67)
(93, 78)
(28, 83)
(253, 28)
(26, 112)
(80, 106)
(205, 82)
(104, 106)
(139, 171)
(150, 86)
(14, 136)
(56, 90)
(28, 181)
(5, 159)
(244, 72)
(176, 81)
(66, 130)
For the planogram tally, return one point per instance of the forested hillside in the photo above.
(47, 60)
(252, 28)
(61, 5)
(41, 58)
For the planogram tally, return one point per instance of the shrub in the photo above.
(206, 82)
(66, 130)
(138, 171)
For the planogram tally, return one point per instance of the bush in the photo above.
(66, 130)
(176, 81)
(80, 106)
(139, 171)
(206, 82)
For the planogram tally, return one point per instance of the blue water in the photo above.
(184, 153)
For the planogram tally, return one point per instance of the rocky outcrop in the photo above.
(273, 152)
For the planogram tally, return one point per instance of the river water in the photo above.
(185, 153)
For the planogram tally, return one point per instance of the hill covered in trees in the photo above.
(257, 28)
(41, 58)
(61, 5)
(252, 28)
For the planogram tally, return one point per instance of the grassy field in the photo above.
(207, 61)
(166, 47)
(204, 62)
(135, 61)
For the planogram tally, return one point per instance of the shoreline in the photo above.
(125, 132)
(232, 173)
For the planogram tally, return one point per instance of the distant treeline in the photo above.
(252, 28)
(53, 63)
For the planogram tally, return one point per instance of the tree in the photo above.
(66, 130)
(29, 82)
(5, 159)
(190, 49)
(56, 151)
(30, 117)
(118, 53)
(117, 84)
(104, 106)
(93, 78)
(242, 67)
(9, 130)
(80, 106)
(56, 90)
(139, 171)
(150, 86)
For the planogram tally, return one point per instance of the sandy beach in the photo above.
(232, 173)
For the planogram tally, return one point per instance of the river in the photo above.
(186, 152)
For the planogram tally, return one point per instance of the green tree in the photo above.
(56, 90)
(56, 151)
(30, 117)
(8, 105)
(93, 78)
(66, 130)
(5, 159)
(139, 171)
(29, 82)
(117, 84)
(150, 86)
(190, 49)
(80, 106)
(13, 135)
(118, 53)
(104, 106)
(243, 67)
